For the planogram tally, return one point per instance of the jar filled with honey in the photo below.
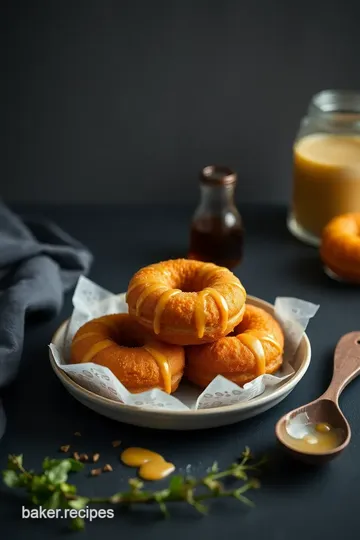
(326, 164)
(217, 230)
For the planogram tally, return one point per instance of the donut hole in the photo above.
(239, 328)
(190, 288)
(190, 280)
(130, 335)
(189, 284)
(131, 341)
(233, 333)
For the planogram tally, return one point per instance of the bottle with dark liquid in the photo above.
(217, 229)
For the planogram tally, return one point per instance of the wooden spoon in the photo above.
(326, 408)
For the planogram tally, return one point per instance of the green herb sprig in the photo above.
(51, 489)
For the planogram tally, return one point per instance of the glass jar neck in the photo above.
(336, 108)
(335, 101)
(217, 196)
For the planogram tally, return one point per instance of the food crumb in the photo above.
(76, 456)
(65, 448)
(95, 472)
(77, 434)
(107, 468)
(96, 457)
(116, 444)
(84, 457)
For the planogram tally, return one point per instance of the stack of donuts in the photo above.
(185, 318)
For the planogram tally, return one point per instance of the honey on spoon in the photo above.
(309, 437)
(318, 432)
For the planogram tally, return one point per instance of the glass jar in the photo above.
(326, 164)
(216, 230)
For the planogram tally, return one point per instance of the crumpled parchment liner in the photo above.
(91, 301)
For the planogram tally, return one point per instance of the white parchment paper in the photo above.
(91, 301)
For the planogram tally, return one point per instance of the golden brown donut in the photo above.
(340, 246)
(186, 302)
(139, 361)
(254, 348)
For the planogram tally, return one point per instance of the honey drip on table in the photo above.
(160, 306)
(320, 438)
(164, 367)
(152, 466)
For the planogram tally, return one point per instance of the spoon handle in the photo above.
(346, 365)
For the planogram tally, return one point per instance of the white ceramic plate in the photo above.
(186, 420)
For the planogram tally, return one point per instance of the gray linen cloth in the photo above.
(38, 263)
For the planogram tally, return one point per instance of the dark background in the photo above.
(124, 101)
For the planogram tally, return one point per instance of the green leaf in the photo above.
(163, 494)
(78, 524)
(239, 473)
(213, 485)
(116, 498)
(68, 488)
(76, 466)
(73, 464)
(79, 503)
(14, 462)
(41, 489)
(135, 484)
(39, 482)
(24, 480)
(58, 474)
(34, 499)
(247, 453)
(49, 463)
(54, 501)
(176, 484)
(10, 478)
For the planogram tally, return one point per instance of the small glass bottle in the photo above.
(326, 164)
(217, 230)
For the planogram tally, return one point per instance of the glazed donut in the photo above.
(254, 348)
(186, 302)
(139, 361)
(340, 246)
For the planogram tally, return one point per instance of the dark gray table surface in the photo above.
(295, 501)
